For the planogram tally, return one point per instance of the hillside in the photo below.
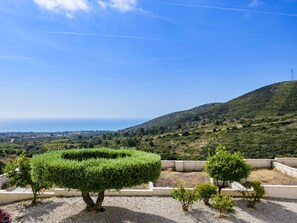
(272, 100)
(262, 124)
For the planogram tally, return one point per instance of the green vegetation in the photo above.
(222, 203)
(185, 196)
(205, 191)
(255, 196)
(225, 166)
(19, 173)
(260, 124)
(96, 170)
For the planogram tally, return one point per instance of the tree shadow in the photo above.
(268, 210)
(115, 214)
(207, 214)
(31, 212)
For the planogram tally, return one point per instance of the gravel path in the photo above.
(148, 209)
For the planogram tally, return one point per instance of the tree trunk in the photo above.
(99, 202)
(88, 200)
(220, 186)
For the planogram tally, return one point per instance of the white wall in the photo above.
(280, 191)
(290, 171)
(260, 163)
(287, 161)
(191, 165)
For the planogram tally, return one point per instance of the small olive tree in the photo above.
(96, 170)
(19, 173)
(226, 166)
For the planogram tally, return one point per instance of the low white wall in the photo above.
(287, 161)
(290, 171)
(193, 165)
(166, 164)
(280, 191)
(260, 163)
(9, 197)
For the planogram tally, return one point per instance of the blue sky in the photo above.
(139, 59)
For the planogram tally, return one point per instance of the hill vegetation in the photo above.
(262, 124)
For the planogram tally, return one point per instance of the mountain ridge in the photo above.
(274, 99)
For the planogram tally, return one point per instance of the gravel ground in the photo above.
(148, 209)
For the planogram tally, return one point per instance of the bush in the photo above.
(185, 196)
(205, 191)
(222, 203)
(254, 196)
(19, 173)
(226, 166)
(5, 217)
(96, 170)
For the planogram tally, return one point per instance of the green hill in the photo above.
(272, 100)
(262, 124)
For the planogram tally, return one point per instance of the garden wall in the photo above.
(186, 166)
(287, 161)
(290, 171)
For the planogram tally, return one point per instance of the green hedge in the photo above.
(94, 170)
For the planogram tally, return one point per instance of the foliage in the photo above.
(185, 196)
(252, 197)
(205, 191)
(226, 166)
(19, 173)
(260, 124)
(96, 170)
(5, 217)
(222, 203)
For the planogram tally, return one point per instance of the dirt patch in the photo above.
(170, 178)
(272, 177)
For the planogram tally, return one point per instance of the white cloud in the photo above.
(65, 5)
(255, 3)
(120, 5)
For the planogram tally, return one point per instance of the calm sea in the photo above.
(60, 125)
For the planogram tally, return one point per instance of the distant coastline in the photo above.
(61, 125)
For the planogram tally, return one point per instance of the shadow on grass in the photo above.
(30, 212)
(115, 215)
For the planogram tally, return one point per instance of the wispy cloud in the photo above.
(223, 8)
(255, 3)
(67, 6)
(120, 5)
(108, 36)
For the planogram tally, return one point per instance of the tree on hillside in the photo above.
(226, 166)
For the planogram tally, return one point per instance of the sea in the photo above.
(62, 125)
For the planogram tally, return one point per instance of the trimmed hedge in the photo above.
(95, 170)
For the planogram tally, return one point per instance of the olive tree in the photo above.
(19, 173)
(226, 166)
(96, 170)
